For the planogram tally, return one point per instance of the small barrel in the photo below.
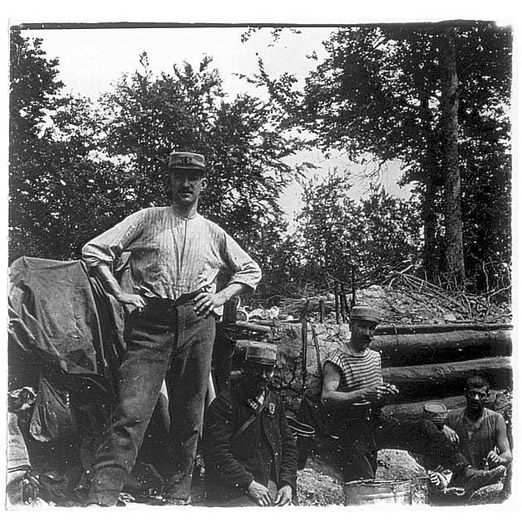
(304, 435)
(360, 492)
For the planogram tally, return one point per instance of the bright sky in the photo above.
(91, 60)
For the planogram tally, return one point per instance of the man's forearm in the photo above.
(103, 272)
(339, 400)
(232, 290)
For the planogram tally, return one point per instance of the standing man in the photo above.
(354, 391)
(249, 452)
(175, 258)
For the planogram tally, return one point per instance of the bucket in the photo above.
(360, 492)
(304, 435)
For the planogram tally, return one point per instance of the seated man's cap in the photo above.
(365, 312)
(258, 352)
(180, 160)
(435, 411)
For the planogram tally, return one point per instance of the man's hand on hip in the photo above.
(133, 300)
(205, 303)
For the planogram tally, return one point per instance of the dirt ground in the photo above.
(320, 484)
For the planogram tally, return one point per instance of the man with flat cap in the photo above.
(175, 257)
(354, 392)
(249, 452)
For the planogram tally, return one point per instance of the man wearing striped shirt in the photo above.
(176, 260)
(354, 392)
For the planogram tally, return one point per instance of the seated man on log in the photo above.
(354, 392)
(482, 433)
(249, 452)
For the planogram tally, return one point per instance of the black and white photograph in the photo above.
(260, 262)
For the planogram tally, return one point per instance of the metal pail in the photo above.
(360, 492)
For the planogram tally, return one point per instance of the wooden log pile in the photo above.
(410, 356)
(431, 341)
(423, 344)
(439, 380)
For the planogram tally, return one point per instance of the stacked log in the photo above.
(426, 362)
(411, 345)
(439, 380)
(432, 363)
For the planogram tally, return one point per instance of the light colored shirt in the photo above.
(171, 255)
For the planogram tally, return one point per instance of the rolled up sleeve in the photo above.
(243, 268)
(106, 247)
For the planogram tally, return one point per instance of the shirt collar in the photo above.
(180, 216)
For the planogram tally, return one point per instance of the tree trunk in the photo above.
(454, 249)
(429, 214)
(430, 171)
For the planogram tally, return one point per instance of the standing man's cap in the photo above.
(179, 160)
(258, 352)
(365, 312)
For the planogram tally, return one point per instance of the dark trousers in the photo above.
(361, 439)
(170, 343)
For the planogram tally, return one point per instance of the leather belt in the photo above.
(166, 303)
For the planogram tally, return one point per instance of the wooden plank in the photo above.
(446, 379)
(428, 348)
(248, 326)
(403, 329)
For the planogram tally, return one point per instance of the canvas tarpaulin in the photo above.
(66, 340)
(64, 317)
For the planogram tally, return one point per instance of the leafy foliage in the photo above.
(378, 94)
(80, 167)
(61, 192)
(77, 167)
(378, 234)
(34, 90)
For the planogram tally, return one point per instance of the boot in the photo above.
(472, 479)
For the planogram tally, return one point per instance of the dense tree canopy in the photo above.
(105, 161)
(34, 90)
(335, 232)
(379, 94)
(77, 166)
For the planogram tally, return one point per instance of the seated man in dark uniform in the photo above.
(249, 452)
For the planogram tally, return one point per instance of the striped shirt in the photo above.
(171, 255)
(357, 371)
